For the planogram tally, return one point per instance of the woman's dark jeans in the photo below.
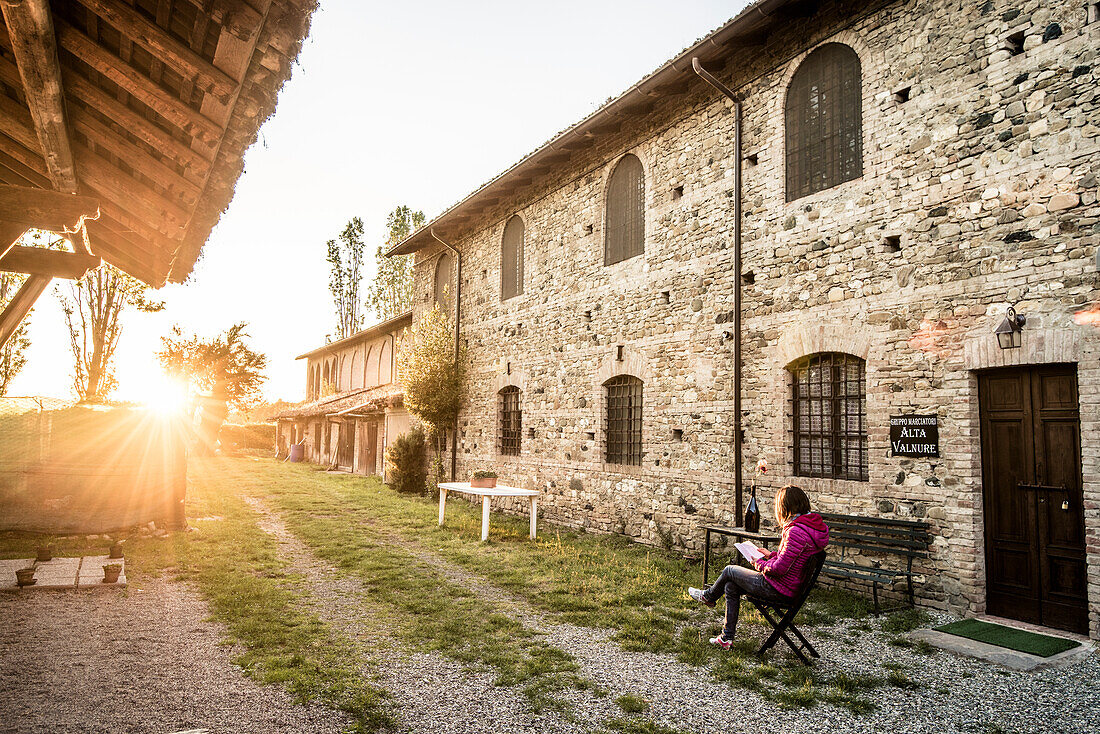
(735, 581)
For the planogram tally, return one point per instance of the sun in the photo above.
(163, 395)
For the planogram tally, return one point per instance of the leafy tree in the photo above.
(225, 368)
(433, 378)
(345, 259)
(93, 308)
(391, 292)
(13, 355)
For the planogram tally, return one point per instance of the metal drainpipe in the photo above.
(458, 300)
(737, 459)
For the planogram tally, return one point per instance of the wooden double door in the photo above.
(1031, 484)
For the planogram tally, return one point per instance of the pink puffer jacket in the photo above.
(802, 537)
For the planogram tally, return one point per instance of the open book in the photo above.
(749, 550)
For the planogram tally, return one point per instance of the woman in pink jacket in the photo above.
(778, 576)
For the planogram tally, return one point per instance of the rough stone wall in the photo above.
(987, 174)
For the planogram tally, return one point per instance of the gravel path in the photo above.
(432, 693)
(144, 660)
(955, 694)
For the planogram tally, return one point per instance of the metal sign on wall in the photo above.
(915, 435)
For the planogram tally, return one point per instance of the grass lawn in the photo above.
(389, 541)
(603, 581)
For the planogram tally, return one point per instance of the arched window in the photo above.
(511, 421)
(511, 259)
(328, 376)
(829, 404)
(824, 121)
(344, 381)
(444, 282)
(385, 363)
(623, 421)
(372, 368)
(625, 218)
(357, 370)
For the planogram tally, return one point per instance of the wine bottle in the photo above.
(752, 513)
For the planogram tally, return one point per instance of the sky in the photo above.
(414, 103)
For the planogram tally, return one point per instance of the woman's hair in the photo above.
(790, 501)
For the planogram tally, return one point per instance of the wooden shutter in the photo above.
(625, 219)
(824, 121)
(511, 259)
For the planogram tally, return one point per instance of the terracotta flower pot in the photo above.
(111, 572)
(25, 577)
(45, 553)
(483, 482)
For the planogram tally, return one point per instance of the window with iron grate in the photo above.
(824, 121)
(511, 421)
(829, 404)
(625, 216)
(511, 259)
(623, 422)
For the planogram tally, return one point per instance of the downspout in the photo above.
(458, 300)
(737, 459)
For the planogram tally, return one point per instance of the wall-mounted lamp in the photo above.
(1009, 333)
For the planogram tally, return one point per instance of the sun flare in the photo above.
(163, 395)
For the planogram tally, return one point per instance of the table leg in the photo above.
(534, 516)
(442, 505)
(484, 518)
(706, 559)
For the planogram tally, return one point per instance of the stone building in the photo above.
(354, 405)
(910, 171)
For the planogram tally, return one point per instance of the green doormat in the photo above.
(1020, 640)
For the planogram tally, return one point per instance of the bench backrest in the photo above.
(878, 535)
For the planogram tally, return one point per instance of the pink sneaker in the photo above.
(721, 641)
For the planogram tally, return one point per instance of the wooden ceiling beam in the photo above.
(44, 209)
(135, 157)
(53, 263)
(10, 232)
(237, 18)
(137, 84)
(163, 47)
(80, 89)
(21, 305)
(31, 33)
(121, 252)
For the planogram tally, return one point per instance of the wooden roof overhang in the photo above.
(750, 28)
(400, 321)
(123, 126)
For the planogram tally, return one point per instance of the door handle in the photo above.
(1041, 487)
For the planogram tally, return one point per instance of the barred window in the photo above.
(625, 216)
(824, 121)
(830, 417)
(444, 285)
(623, 427)
(511, 421)
(511, 259)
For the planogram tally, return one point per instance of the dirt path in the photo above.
(431, 693)
(144, 660)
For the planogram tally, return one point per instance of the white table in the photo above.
(485, 493)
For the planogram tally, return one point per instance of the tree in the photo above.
(225, 368)
(345, 258)
(13, 355)
(391, 292)
(93, 308)
(433, 379)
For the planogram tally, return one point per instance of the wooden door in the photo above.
(372, 447)
(1031, 485)
(345, 444)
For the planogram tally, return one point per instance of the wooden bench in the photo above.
(904, 539)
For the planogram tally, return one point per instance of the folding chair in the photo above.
(783, 621)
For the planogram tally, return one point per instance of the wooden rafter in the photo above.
(21, 305)
(31, 33)
(54, 263)
(43, 209)
(163, 47)
(144, 89)
(10, 232)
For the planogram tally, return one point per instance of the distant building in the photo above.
(355, 406)
(910, 171)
